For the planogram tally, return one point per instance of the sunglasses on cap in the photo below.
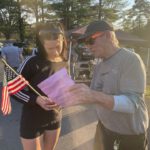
(91, 40)
(47, 34)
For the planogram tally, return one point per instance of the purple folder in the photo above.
(55, 85)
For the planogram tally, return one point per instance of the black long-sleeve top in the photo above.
(35, 69)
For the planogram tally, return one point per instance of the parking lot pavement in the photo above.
(75, 124)
(78, 129)
(9, 129)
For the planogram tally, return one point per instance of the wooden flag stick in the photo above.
(19, 74)
(57, 109)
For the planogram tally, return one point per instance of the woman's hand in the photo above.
(46, 103)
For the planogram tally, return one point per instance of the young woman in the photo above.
(41, 118)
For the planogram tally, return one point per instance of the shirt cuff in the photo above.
(32, 100)
(123, 104)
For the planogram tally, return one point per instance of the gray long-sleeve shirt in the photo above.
(122, 74)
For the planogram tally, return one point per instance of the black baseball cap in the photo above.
(96, 26)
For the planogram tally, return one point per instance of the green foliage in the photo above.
(111, 9)
(137, 19)
(72, 13)
(8, 13)
(138, 15)
(10, 18)
(148, 91)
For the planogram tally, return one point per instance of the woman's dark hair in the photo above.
(50, 30)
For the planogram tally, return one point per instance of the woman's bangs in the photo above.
(49, 35)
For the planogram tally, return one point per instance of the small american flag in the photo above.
(12, 84)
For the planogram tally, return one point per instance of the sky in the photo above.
(131, 2)
(116, 24)
(31, 19)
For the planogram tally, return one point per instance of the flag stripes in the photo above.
(16, 84)
(6, 105)
(12, 84)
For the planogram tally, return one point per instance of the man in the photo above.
(12, 54)
(117, 90)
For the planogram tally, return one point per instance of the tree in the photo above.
(109, 9)
(8, 19)
(11, 18)
(138, 15)
(20, 21)
(72, 12)
(32, 7)
(137, 19)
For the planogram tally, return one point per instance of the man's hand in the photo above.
(76, 94)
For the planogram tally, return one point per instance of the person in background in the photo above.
(40, 124)
(117, 90)
(34, 51)
(12, 54)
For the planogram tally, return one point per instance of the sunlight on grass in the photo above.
(148, 91)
